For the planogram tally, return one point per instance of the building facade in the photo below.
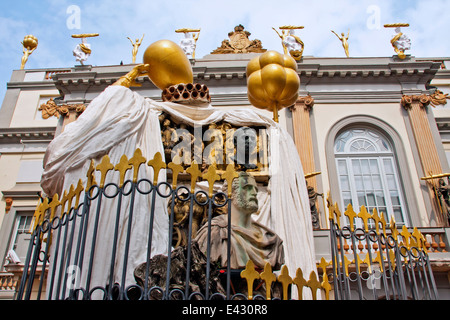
(376, 129)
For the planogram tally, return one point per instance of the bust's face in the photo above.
(245, 194)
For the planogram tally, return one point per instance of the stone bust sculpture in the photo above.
(250, 240)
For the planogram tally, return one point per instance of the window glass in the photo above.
(367, 173)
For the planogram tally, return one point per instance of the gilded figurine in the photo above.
(400, 42)
(83, 50)
(29, 44)
(291, 43)
(135, 45)
(189, 42)
(344, 40)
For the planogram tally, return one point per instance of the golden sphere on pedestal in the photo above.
(272, 81)
(30, 42)
(168, 64)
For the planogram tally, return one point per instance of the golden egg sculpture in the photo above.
(168, 64)
(272, 81)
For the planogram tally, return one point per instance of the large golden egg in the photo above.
(169, 64)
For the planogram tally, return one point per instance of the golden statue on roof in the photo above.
(344, 40)
(135, 45)
(291, 43)
(83, 50)
(29, 44)
(189, 42)
(399, 41)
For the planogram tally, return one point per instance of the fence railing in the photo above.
(68, 245)
(372, 259)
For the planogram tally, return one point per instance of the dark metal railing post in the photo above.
(169, 242)
(208, 248)
(335, 262)
(189, 239)
(94, 240)
(114, 246)
(26, 266)
(229, 248)
(149, 243)
(127, 241)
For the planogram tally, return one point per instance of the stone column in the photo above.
(302, 135)
(303, 141)
(416, 107)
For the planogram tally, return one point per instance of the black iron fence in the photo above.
(372, 259)
(68, 233)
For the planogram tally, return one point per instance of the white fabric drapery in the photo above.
(117, 122)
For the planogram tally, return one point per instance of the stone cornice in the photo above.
(13, 135)
(235, 69)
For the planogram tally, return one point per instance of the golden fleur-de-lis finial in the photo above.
(136, 162)
(90, 176)
(157, 164)
(64, 200)
(122, 167)
(53, 205)
(351, 214)
(68, 197)
(268, 277)
(377, 220)
(300, 282)
(211, 176)
(78, 191)
(383, 222)
(406, 236)
(39, 214)
(364, 215)
(314, 284)
(195, 172)
(176, 170)
(393, 227)
(104, 167)
(420, 239)
(229, 175)
(337, 213)
(285, 280)
(250, 274)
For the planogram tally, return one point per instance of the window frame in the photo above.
(380, 156)
(412, 215)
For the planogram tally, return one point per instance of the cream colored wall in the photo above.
(326, 115)
(8, 177)
(26, 113)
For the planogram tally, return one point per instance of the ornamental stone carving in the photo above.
(407, 101)
(239, 43)
(50, 109)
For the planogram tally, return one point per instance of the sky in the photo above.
(54, 21)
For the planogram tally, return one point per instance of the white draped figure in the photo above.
(403, 42)
(291, 42)
(120, 120)
(82, 51)
(188, 44)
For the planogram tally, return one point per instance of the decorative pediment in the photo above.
(239, 43)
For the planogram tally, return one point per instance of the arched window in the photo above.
(367, 172)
